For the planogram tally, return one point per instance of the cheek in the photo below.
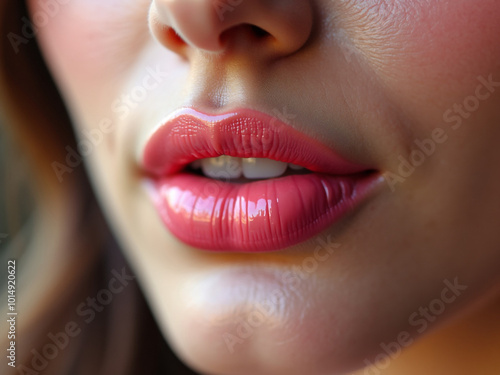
(86, 42)
(427, 46)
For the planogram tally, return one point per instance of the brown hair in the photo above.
(63, 255)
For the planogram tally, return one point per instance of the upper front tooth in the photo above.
(222, 167)
(263, 168)
(295, 167)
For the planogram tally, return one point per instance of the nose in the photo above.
(275, 28)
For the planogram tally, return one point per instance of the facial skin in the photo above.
(372, 78)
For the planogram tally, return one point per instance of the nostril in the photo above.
(267, 28)
(259, 32)
(248, 32)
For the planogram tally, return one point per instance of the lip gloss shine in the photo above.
(262, 215)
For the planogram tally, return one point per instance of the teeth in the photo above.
(295, 167)
(263, 168)
(222, 168)
(227, 167)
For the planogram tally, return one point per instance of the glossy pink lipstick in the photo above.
(261, 215)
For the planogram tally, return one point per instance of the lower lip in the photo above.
(264, 215)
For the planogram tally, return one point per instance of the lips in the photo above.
(248, 215)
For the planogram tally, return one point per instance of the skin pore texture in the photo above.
(386, 84)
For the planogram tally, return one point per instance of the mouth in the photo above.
(247, 182)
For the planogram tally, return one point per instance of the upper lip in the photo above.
(188, 135)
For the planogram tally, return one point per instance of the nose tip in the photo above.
(276, 27)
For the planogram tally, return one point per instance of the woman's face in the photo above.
(307, 273)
